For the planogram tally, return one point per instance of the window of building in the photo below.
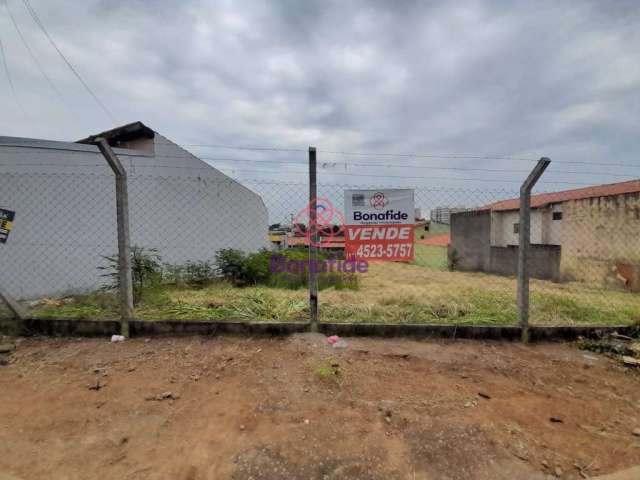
(516, 228)
(557, 215)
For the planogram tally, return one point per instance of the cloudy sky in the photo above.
(439, 79)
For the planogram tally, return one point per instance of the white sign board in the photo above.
(379, 224)
(379, 207)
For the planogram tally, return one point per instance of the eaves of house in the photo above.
(544, 199)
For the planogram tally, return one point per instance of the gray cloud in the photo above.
(522, 79)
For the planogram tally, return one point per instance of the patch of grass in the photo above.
(8, 325)
(398, 293)
(389, 293)
(221, 301)
(329, 370)
(431, 257)
(93, 306)
(570, 309)
(469, 307)
(4, 312)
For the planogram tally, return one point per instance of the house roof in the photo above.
(544, 199)
(125, 133)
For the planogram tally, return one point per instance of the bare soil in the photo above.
(297, 408)
(441, 240)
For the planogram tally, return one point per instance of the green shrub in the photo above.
(243, 269)
(255, 269)
(192, 274)
(146, 270)
(453, 259)
(230, 264)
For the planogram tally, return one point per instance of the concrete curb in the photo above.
(92, 328)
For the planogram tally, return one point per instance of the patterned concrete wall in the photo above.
(601, 240)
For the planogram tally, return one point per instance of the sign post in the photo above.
(379, 224)
(313, 241)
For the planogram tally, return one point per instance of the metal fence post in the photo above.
(313, 241)
(124, 248)
(523, 245)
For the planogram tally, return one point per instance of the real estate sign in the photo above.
(379, 224)
(6, 223)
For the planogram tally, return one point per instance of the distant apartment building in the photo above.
(443, 214)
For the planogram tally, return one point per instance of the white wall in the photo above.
(502, 232)
(553, 228)
(64, 198)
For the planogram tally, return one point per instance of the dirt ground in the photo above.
(296, 408)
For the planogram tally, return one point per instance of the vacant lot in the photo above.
(424, 292)
(296, 408)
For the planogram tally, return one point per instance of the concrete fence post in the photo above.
(524, 241)
(15, 308)
(313, 241)
(124, 246)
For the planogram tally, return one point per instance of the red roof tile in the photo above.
(543, 199)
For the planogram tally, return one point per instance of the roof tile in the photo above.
(543, 199)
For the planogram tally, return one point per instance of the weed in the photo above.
(330, 370)
(146, 270)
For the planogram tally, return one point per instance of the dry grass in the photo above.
(389, 292)
(412, 294)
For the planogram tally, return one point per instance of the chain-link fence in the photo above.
(587, 242)
(204, 248)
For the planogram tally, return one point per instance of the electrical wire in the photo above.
(408, 155)
(404, 177)
(327, 166)
(34, 58)
(36, 19)
(10, 80)
(375, 154)
(380, 165)
(235, 147)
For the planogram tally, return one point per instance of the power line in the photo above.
(33, 56)
(328, 165)
(407, 177)
(36, 19)
(370, 154)
(237, 147)
(392, 165)
(10, 80)
(407, 155)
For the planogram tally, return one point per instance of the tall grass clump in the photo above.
(250, 269)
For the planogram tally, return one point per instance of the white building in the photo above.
(63, 194)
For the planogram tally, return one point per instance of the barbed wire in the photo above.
(322, 165)
(405, 155)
